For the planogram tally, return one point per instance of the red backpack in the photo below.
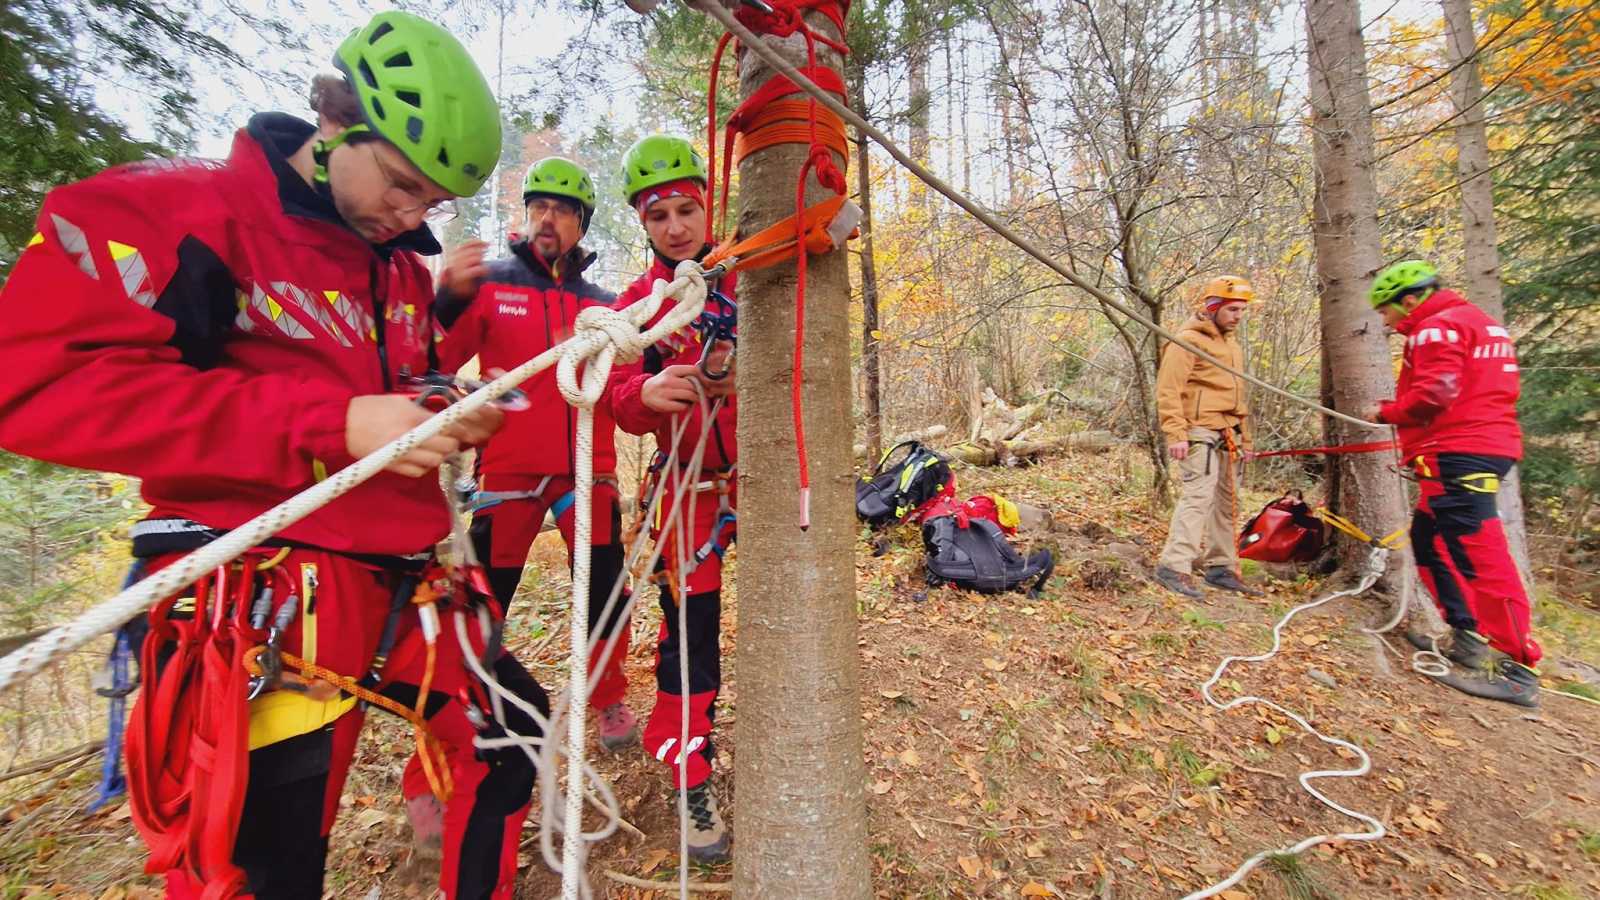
(1284, 531)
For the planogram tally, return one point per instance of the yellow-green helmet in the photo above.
(420, 90)
(1401, 278)
(657, 159)
(560, 177)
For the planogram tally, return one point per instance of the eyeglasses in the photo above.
(404, 202)
(539, 207)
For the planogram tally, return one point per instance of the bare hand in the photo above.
(1178, 450)
(1246, 455)
(373, 420)
(671, 390)
(1372, 413)
(464, 269)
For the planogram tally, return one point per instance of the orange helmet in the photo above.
(1224, 288)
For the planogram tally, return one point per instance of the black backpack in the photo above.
(979, 558)
(896, 491)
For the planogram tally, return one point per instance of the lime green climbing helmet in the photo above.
(658, 159)
(420, 90)
(559, 177)
(1400, 278)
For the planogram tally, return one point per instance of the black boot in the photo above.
(1225, 578)
(1512, 683)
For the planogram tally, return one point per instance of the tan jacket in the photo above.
(1193, 393)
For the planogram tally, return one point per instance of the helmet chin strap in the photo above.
(322, 149)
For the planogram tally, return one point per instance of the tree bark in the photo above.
(1345, 223)
(871, 358)
(800, 819)
(1480, 249)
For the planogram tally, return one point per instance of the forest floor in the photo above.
(1052, 747)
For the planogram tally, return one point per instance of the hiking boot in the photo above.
(1511, 683)
(1467, 649)
(1226, 579)
(1178, 582)
(709, 838)
(618, 727)
(427, 825)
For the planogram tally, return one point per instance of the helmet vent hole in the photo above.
(366, 74)
(377, 109)
(412, 98)
(444, 157)
(399, 60)
(380, 31)
(414, 129)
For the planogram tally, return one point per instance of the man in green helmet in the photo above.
(230, 333)
(664, 180)
(1456, 412)
(506, 312)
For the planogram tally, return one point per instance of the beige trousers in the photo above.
(1202, 525)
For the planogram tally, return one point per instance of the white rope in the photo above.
(598, 342)
(1376, 562)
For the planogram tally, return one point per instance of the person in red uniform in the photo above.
(1456, 412)
(506, 312)
(230, 333)
(664, 180)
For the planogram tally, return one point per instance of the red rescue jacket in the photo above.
(1458, 382)
(522, 309)
(683, 348)
(202, 325)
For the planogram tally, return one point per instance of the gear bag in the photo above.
(976, 556)
(896, 492)
(1284, 531)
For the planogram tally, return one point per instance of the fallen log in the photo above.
(1011, 453)
(932, 432)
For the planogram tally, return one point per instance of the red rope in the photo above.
(1370, 447)
(787, 18)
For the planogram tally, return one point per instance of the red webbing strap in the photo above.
(1369, 447)
(188, 745)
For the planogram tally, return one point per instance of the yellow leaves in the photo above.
(1486, 859)
(971, 865)
(653, 859)
(1035, 889)
(910, 757)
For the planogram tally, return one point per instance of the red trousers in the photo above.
(1461, 551)
(222, 820)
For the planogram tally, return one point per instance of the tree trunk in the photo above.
(1480, 251)
(871, 360)
(1345, 224)
(801, 799)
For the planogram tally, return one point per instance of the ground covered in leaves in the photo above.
(1052, 747)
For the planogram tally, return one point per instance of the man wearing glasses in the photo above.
(506, 312)
(231, 332)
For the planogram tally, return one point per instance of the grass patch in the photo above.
(1299, 882)
(1579, 689)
